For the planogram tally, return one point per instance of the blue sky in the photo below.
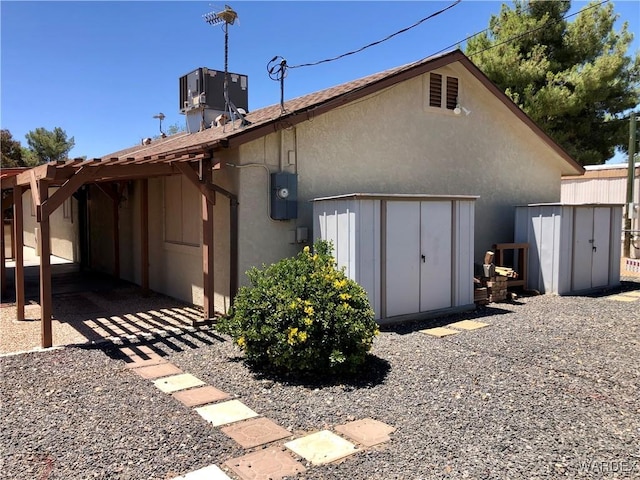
(102, 70)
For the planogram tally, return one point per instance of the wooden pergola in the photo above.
(109, 175)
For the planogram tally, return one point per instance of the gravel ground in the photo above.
(551, 389)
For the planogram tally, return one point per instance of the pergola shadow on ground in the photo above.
(110, 175)
(92, 308)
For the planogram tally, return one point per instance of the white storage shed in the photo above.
(413, 254)
(572, 248)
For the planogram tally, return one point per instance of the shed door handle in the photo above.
(424, 259)
(595, 249)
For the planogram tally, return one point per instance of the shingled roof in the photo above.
(270, 119)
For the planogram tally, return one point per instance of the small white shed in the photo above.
(572, 248)
(413, 254)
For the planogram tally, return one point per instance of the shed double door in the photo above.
(591, 233)
(418, 256)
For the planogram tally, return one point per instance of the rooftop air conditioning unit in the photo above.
(204, 88)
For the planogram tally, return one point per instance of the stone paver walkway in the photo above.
(454, 328)
(626, 296)
(247, 428)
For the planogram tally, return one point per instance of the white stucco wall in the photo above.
(391, 142)
(64, 231)
(174, 269)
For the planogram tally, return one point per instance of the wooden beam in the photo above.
(233, 249)
(18, 228)
(109, 190)
(7, 183)
(202, 185)
(45, 271)
(125, 172)
(207, 246)
(42, 172)
(116, 237)
(3, 267)
(82, 176)
(144, 236)
(35, 193)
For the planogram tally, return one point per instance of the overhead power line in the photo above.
(388, 37)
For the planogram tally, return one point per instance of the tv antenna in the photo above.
(225, 18)
(277, 69)
(161, 117)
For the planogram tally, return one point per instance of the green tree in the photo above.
(49, 146)
(574, 79)
(11, 151)
(29, 158)
(176, 128)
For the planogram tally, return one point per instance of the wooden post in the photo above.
(45, 268)
(116, 239)
(144, 236)
(207, 245)
(233, 249)
(18, 227)
(3, 267)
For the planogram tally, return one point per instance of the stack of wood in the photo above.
(496, 288)
(492, 285)
(480, 295)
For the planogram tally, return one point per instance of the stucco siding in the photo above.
(392, 142)
(63, 225)
(174, 269)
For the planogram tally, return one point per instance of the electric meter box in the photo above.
(284, 196)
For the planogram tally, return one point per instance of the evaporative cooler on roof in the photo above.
(202, 95)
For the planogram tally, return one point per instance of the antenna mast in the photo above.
(227, 17)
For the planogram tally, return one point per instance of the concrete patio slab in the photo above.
(212, 472)
(368, 432)
(269, 464)
(254, 432)
(226, 412)
(468, 325)
(200, 396)
(322, 447)
(177, 382)
(158, 371)
(439, 332)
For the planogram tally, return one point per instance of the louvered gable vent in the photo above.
(435, 90)
(452, 92)
(439, 98)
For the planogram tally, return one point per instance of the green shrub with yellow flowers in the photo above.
(302, 315)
